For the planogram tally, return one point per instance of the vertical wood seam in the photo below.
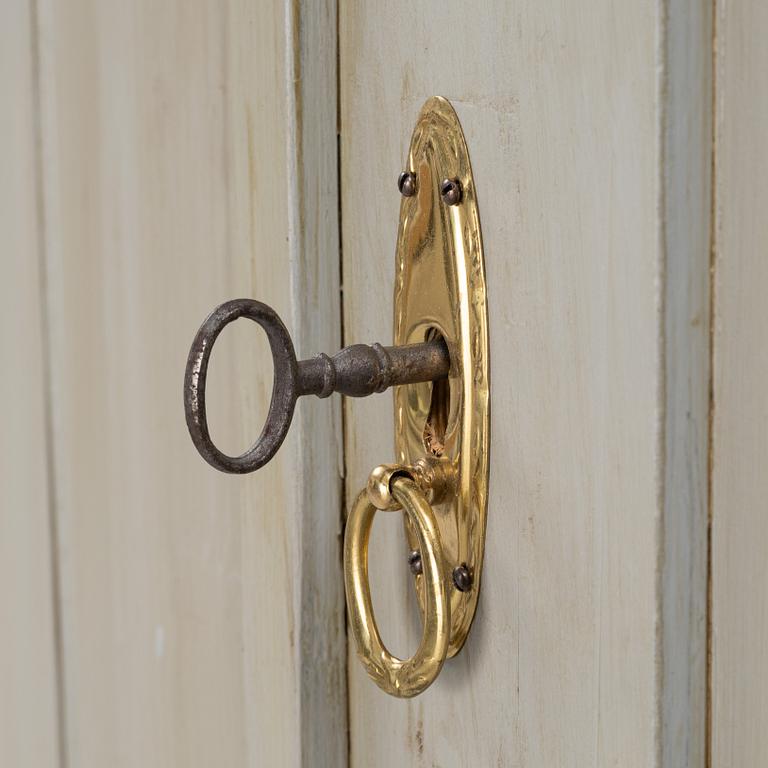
(343, 341)
(711, 340)
(45, 324)
(295, 205)
(684, 98)
(662, 95)
(306, 193)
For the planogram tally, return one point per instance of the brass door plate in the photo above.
(440, 289)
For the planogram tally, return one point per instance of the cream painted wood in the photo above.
(28, 683)
(739, 674)
(587, 646)
(189, 158)
(686, 201)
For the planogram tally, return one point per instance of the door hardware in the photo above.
(402, 678)
(358, 370)
(439, 369)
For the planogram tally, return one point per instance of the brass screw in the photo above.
(450, 191)
(414, 562)
(462, 578)
(406, 183)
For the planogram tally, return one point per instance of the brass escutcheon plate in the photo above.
(440, 288)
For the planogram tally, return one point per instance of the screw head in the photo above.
(462, 578)
(414, 562)
(406, 183)
(450, 191)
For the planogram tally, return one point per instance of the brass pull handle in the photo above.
(358, 370)
(441, 431)
(401, 678)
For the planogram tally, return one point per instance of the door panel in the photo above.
(29, 728)
(740, 430)
(595, 448)
(187, 160)
(161, 158)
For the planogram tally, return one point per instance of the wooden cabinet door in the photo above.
(588, 130)
(158, 158)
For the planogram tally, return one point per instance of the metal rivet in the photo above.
(414, 562)
(450, 191)
(406, 183)
(462, 578)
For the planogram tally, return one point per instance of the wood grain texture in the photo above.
(739, 618)
(685, 228)
(187, 161)
(568, 120)
(28, 682)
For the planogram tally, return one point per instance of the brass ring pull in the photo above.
(401, 678)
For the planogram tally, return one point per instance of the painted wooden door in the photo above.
(589, 132)
(739, 492)
(157, 158)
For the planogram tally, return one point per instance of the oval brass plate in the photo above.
(440, 288)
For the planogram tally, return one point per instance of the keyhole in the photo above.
(439, 408)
